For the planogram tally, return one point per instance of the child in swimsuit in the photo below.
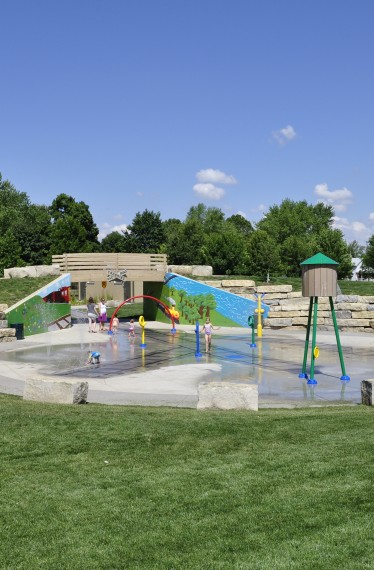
(131, 328)
(207, 329)
(115, 323)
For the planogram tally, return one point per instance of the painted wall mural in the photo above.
(191, 301)
(45, 310)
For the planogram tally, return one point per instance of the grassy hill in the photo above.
(14, 290)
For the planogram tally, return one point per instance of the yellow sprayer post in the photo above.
(142, 324)
(259, 311)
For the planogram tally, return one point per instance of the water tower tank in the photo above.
(319, 276)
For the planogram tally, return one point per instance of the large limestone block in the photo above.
(274, 289)
(55, 390)
(350, 306)
(295, 304)
(7, 332)
(363, 315)
(349, 322)
(279, 322)
(33, 271)
(290, 314)
(304, 321)
(238, 283)
(347, 298)
(3, 307)
(294, 295)
(367, 392)
(366, 299)
(271, 296)
(180, 269)
(227, 396)
(216, 284)
(202, 270)
(343, 314)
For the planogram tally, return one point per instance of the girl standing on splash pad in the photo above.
(131, 329)
(207, 329)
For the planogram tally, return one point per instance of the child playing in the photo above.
(207, 328)
(131, 329)
(115, 324)
(93, 357)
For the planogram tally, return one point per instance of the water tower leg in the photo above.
(303, 373)
(312, 380)
(344, 375)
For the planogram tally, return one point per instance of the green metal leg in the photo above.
(344, 375)
(312, 380)
(303, 373)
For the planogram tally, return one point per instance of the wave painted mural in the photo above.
(191, 301)
(45, 310)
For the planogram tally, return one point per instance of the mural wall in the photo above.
(45, 310)
(191, 301)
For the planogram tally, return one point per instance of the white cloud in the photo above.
(371, 216)
(240, 213)
(259, 208)
(352, 230)
(108, 229)
(117, 217)
(209, 191)
(215, 176)
(140, 194)
(284, 135)
(339, 199)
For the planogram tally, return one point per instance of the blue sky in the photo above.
(162, 104)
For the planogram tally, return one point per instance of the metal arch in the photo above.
(142, 297)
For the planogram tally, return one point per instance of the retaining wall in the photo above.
(289, 309)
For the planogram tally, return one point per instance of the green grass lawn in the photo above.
(99, 487)
(128, 310)
(14, 290)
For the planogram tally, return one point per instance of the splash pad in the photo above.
(168, 372)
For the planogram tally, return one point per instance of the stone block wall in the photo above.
(6, 334)
(289, 309)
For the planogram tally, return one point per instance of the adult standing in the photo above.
(102, 314)
(92, 315)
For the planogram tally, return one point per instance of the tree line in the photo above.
(287, 234)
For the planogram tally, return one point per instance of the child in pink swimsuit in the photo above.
(131, 328)
(207, 329)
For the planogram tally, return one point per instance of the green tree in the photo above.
(292, 252)
(24, 229)
(368, 258)
(145, 234)
(296, 219)
(10, 251)
(263, 255)
(225, 251)
(114, 242)
(35, 236)
(356, 249)
(243, 226)
(73, 229)
(197, 214)
(331, 242)
(187, 245)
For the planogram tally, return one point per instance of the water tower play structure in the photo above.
(319, 279)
